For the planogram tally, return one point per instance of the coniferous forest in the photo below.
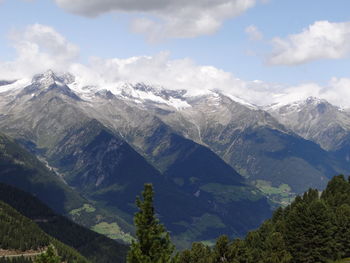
(95, 247)
(19, 233)
(314, 228)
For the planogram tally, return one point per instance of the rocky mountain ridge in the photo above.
(107, 141)
(108, 147)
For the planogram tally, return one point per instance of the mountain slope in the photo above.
(106, 169)
(21, 169)
(315, 227)
(253, 142)
(20, 233)
(321, 122)
(315, 120)
(93, 246)
(94, 155)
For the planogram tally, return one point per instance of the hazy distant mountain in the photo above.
(315, 119)
(319, 121)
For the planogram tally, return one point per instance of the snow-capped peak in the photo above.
(49, 78)
(240, 101)
(142, 93)
(296, 105)
(314, 101)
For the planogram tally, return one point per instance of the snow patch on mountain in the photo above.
(298, 105)
(15, 86)
(241, 101)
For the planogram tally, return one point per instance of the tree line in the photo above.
(315, 227)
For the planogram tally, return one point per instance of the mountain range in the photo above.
(217, 163)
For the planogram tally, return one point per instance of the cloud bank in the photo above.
(321, 40)
(169, 18)
(40, 48)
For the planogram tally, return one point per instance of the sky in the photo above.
(263, 51)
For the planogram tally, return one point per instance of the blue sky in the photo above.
(108, 32)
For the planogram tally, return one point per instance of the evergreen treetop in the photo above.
(153, 243)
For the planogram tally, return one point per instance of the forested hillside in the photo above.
(19, 233)
(97, 248)
(314, 228)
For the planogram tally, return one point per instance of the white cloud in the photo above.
(338, 92)
(254, 33)
(170, 18)
(156, 70)
(322, 40)
(38, 48)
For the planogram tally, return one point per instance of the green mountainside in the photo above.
(315, 228)
(101, 167)
(20, 168)
(105, 169)
(95, 247)
(20, 233)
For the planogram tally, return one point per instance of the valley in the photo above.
(219, 166)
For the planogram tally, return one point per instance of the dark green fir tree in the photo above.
(153, 243)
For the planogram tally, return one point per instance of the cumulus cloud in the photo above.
(336, 91)
(254, 33)
(157, 70)
(170, 18)
(38, 48)
(321, 40)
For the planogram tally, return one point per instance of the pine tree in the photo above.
(342, 236)
(153, 243)
(309, 232)
(275, 249)
(221, 250)
(50, 256)
(199, 253)
(239, 252)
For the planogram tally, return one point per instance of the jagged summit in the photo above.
(315, 100)
(50, 77)
(298, 105)
(44, 83)
(314, 119)
(153, 96)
